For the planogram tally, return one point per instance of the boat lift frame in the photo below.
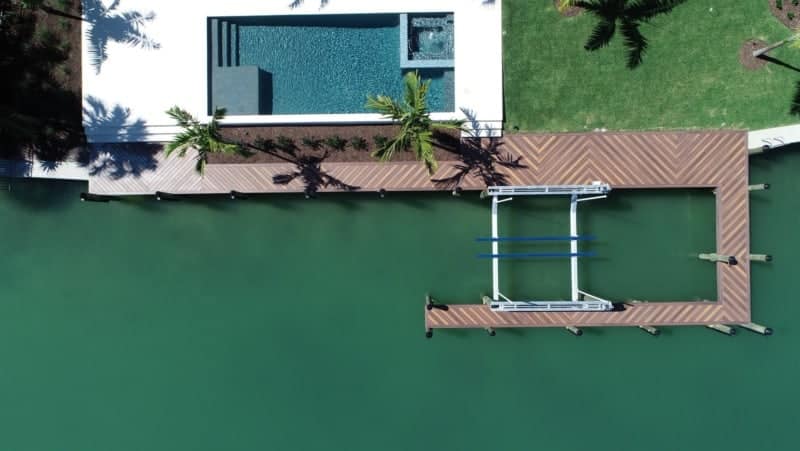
(580, 300)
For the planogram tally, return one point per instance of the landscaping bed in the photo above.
(356, 143)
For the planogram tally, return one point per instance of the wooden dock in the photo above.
(662, 160)
(715, 160)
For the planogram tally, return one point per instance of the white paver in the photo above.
(125, 100)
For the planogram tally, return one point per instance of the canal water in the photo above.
(286, 324)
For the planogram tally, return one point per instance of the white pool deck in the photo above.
(125, 97)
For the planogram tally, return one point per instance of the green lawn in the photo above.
(690, 78)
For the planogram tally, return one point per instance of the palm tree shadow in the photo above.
(794, 109)
(124, 158)
(778, 62)
(308, 168)
(481, 157)
(109, 24)
(630, 14)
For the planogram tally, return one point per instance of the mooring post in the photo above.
(160, 195)
(758, 187)
(574, 331)
(719, 258)
(651, 330)
(457, 191)
(89, 197)
(723, 329)
(490, 331)
(381, 193)
(759, 150)
(236, 195)
(430, 304)
(757, 328)
(766, 258)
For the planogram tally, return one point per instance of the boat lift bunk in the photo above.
(580, 301)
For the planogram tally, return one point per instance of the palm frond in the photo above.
(601, 35)
(385, 105)
(635, 43)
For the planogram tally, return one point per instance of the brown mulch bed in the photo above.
(298, 133)
(569, 11)
(788, 12)
(746, 57)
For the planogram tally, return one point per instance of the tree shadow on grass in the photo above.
(108, 24)
(626, 16)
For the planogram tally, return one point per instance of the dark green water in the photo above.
(297, 325)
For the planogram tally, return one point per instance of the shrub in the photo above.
(790, 16)
(779, 4)
(264, 144)
(336, 142)
(285, 144)
(358, 143)
(380, 140)
(312, 142)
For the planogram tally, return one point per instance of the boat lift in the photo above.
(580, 300)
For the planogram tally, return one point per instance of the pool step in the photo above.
(224, 43)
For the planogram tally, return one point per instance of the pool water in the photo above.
(329, 64)
(280, 323)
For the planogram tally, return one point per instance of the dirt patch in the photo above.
(786, 11)
(566, 11)
(355, 143)
(746, 57)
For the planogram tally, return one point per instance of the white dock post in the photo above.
(723, 329)
(757, 328)
(574, 331)
(651, 330)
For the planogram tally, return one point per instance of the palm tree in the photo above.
(416, 125)
(203, 138)
(761, 52)
(629, 14)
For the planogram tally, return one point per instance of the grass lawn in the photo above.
(691, 76)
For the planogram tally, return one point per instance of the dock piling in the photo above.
(650, 330)
(490, 331)
(89, 197)
(381, 193)
(574, 331)
(719, 258)
(722, 328)
(160, 195)
(236, 195)
(428, 333)
(456, 191)
(757, 328)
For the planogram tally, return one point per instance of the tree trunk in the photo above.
(763, 50)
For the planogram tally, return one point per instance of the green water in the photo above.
(286, 324)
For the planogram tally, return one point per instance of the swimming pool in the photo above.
(326, 64)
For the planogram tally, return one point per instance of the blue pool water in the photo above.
(329, 64)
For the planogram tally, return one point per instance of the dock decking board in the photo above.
(715, 159)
